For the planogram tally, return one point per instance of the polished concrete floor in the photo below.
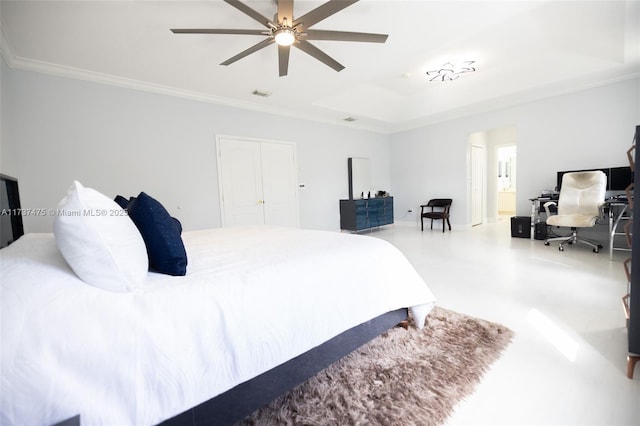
(567, 362)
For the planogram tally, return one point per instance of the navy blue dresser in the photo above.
(357, 215)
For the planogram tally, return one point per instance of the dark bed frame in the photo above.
(241, 401)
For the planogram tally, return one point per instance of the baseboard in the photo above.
(416, 225)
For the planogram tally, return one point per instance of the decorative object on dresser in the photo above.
(359, 173)
(632, 298)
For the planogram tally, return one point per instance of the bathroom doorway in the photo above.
(498, 181)
(506, 181)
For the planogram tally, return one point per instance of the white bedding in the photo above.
(252, 299)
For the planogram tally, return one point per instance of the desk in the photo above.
(618, 212)
(536, 203)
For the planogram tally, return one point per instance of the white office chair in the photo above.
(581, 196)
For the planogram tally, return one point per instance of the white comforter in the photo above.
(252, 299)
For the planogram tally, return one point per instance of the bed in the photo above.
(258, 311)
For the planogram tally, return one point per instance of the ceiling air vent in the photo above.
(261, 93)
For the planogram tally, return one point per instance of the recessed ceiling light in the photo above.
(261, 93)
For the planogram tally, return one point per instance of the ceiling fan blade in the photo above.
(250, 12)
(322, 12)
(216, 31)
(310, 49)
(252, 49)
(283, 59)
(344, 36)
(285, 10)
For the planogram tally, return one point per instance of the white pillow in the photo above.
(100, 243)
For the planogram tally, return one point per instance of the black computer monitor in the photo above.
(620, 178)
(560, 174)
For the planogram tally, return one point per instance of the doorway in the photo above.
(497, 183)
(506, 188)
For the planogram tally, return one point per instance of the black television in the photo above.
(11, 227)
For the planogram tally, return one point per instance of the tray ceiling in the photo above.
(523, 50)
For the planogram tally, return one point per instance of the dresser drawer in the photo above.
(357, 215)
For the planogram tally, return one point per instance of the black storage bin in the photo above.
(521, 226)
(540, 231)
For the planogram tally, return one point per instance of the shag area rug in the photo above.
(402, 377)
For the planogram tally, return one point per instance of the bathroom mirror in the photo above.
(359, 177)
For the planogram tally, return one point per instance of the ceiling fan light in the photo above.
(285, 36)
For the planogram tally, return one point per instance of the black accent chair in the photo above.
(439, 211)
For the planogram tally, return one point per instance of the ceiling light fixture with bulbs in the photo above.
(284, 34)
(450, 72)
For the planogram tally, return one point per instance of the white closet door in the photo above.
(241, 182)
(279, 183)
(258, 182)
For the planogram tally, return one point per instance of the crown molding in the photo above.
(363, 123)
(520, 98)
(26, 64)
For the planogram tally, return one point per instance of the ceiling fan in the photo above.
(286, 31)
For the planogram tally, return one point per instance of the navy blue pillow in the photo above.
(122, 202)
(161, 235)
(178, 225)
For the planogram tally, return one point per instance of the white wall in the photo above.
(122, 141)
(587, 129)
